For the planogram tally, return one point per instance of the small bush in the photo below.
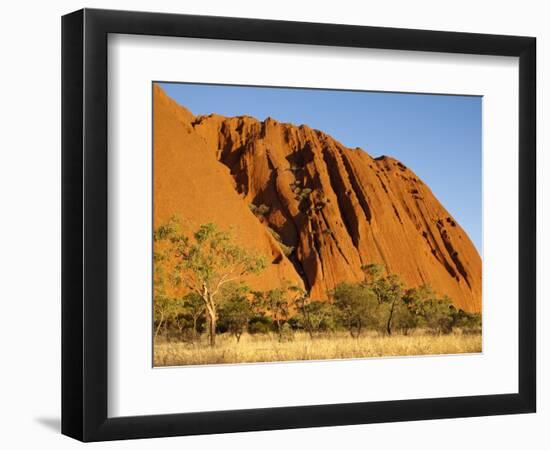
(260, 210)
(286, 249)
(260, 324)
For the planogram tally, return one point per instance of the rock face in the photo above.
(316, 209)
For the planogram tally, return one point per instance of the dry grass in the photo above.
(266, 348)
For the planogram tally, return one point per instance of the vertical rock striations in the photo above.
(319, 210)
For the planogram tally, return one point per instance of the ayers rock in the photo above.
(339, 208)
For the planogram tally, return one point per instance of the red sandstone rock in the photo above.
(338, 207)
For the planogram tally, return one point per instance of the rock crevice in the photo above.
(337, 208)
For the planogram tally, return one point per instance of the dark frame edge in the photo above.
(72, 119)
(266, 419)
(527, 208)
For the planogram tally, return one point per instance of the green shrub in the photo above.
(260, 210)
(286, 249)
(356, 307)
(260, 324)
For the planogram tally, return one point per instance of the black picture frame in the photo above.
(84, 224)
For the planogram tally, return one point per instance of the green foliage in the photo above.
(286, 249)
(275, 304)
(302, 195)
(205, 262)
(287, 333)
(416, 296)
(272, 301)
(315, 317)
(388, 291)
(437, 314)
(373, 271)
(260, 323)
(260, 210)
(235, 314)
(275, 235)
(193, 309)
(210, 265)
(211, 257)
(404, 318)
(164, 310)
(466, 321)
(192, 303)
(357, 307)
(294, 184)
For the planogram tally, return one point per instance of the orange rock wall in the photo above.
(360, 209)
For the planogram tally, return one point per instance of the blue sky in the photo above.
(437, 136)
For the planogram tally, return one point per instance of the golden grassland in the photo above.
(267, 348)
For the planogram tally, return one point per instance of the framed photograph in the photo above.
(273, 224)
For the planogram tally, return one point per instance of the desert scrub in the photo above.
(338, 345)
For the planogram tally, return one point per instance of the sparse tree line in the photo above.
(209, 266)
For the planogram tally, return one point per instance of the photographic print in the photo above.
(295, 224)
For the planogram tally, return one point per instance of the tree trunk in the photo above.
(350, 328)
(159, 325)
(210, 314)
(212, 329)
(388, 325)
(195, 318)
(308, 324)
(180, 326)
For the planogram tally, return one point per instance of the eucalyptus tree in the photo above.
(357, 307)
(204, 261)
(236, 311)
(275, 303)
(388, 290)
(193, 306)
